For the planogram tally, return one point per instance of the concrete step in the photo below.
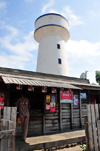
(50, 141)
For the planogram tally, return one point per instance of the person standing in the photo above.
(23, 104)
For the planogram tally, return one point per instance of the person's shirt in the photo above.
(23, 104)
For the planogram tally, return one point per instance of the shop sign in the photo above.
(66, 97)
(2, 100)
(30, 88)
(76, 100)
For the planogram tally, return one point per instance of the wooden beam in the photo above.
(80, 109)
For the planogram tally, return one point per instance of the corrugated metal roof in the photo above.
(27, 80)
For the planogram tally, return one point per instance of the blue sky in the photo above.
(19, 50)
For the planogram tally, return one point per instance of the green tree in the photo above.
(97, 77)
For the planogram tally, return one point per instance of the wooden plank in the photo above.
(11, 140)
(56, 114)
(60, 114)
(51, 125)
(51, 121)
(6, 113)
(86, 132)
(98, 128)
(7, 133)
(4, 124)
(96, 112)
(13, 114)
(94, 127)
(90, 128)
(51, 118)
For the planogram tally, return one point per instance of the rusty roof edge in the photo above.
(38, 74)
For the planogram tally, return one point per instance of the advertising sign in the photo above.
(47, 98)
(66, 97)
(83, 95)
(2, 100)
(76, 100)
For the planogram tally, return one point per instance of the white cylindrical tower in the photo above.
(51, 31)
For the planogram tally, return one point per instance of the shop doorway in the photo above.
(94, 99)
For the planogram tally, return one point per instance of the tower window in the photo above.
(59, 61)
(58, 46)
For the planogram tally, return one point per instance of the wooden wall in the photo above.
(52, 121)
(35, 127)
(76, 117)
(65, 116)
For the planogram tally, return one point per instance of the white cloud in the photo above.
(2, 5)
(72, 18)
(17, 54)
(82, 49)
(45, 7)
(69, 15)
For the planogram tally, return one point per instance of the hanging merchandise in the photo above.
(44, 89)
(61, 89)
(30, 88)
(19, 87)
(54, 90)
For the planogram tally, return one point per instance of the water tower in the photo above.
(51, 32)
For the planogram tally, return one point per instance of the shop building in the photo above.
(57, 103)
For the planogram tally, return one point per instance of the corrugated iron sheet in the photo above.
(24, 80)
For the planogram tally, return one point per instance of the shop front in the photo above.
(55, 104)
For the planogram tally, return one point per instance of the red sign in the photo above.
(1, 102)
(66, 97)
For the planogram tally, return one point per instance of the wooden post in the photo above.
(6, 113)
(98, 128)
(80, 109)
(71, 115)
(89, 128)
(99, 110)
(60, 121)
(11, 140)
(43, 124)
(94, 128)
(89, 97)
(86, 132)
